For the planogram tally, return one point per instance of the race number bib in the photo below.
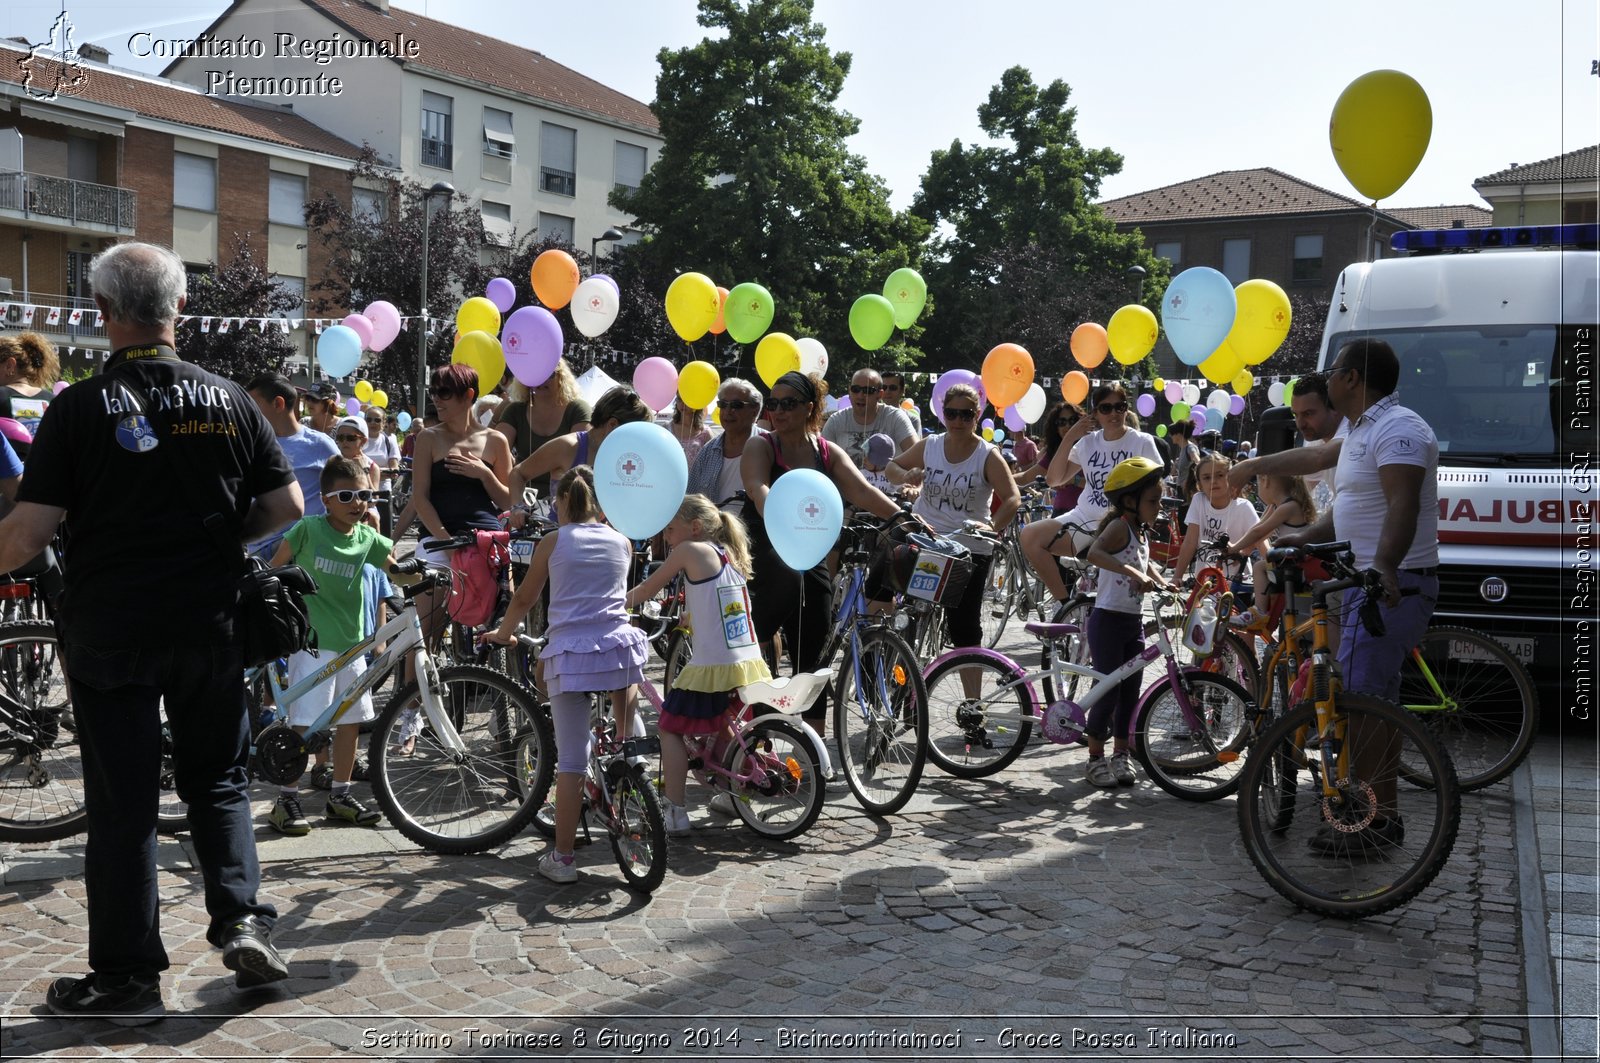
(734, 603)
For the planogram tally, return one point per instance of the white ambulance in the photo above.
(1496, 330)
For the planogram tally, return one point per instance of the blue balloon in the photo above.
(1197, 312)
(339, 350)
(403, 419)
(803, 515)
(1213, 420)
(640, 476)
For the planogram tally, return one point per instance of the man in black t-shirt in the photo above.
(135, 459)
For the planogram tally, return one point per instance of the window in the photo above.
(436, 130)
(296, 287)
(629, 165)
(558, 153)
(83, 159)
(368, 204)
(496, 222)
(1236, 260)
(1171, 250)
(194, 182)
(1307, 259)
(556, 227)
(497, 138)
(1580, 212)
(286, 199)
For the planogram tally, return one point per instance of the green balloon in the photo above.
(748, 312)
(907, 292)
(871, 321)
(1180, 412)
(1161, 431)
(1288, 390)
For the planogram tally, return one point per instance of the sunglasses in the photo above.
(1112, 407)
(347, 496)
(953, 414)
(736, 405)
(438, 395)
(787, 405)
(344, 437)
(1066, 422)
(1340, 370)
(864, 389)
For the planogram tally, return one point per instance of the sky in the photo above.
(1179, 89)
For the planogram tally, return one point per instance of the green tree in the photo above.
(1022, 253)
(755, 182)
(241, 287)
(371, 258)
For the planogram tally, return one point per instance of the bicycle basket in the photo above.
(1207, 617)
(934, 570)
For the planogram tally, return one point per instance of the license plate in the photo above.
(1521, 649)
(521, 551)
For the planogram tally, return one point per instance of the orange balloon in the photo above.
(718, 327)
(1090, 344)
(1007, 372)
(1074, 387)
(555, 277)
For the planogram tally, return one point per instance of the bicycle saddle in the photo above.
(792, 694)
(1050, 631)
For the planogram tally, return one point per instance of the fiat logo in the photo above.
(1493, 589)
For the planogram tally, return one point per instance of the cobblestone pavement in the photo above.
(1026, 916)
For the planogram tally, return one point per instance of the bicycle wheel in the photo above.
(680, 650)
(1378, 847)
(976, 733)
(1475, 698)
(1233, 659)
(172, 812)
(1190, 737)
(880, 714)
(1074, 649)
(1000, 596)
(470, 801)
(41, 766)
(637, 832)
(784, 797)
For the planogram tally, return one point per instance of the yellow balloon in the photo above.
(1158, 384)
(1243, 382)
(692, 305)
(1222, 365)
(1261, 322)
(478, 315)
(716, 415)
(1132, 333)
(482, 353)
(1379, 131)
(776, 355)
(698, 381)
(363, 390)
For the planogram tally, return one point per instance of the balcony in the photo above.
(12, 313)
(61, 203)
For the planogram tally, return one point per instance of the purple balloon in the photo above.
(988, 422)
(352, 406)
(1145, 404)
(842, 402)
(502, 293)
(1174, 392)
(1236, 405)
(1014, 419)
(607, 278)
(531, 339)
(953, 376)
(1198, 419)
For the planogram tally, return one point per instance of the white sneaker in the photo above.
(557, 869)
(1122, 769)
(676, 818)
(1099, 774)
(722, 804)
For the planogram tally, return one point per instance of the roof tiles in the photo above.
(1469, 215)
(1229, 194)
(1580, 165)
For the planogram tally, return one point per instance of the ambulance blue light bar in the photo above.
(1426, 240)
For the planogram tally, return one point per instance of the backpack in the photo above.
(475, 577)
(272, 620)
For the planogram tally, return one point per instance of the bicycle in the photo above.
(459, 790)
(1013, 588)
(1352, 857)
(984, 709)
(41, 767)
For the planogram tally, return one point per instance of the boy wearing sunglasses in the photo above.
(334, 548)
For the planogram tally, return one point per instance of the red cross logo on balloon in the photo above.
(594, 302)
(1176, 302)
(513, 340)
(810, 511)
(630, 467)
(1278, 317)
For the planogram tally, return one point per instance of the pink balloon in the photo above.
(502, 293)
(656, 381)
(1174, 392)
(385, 324)
(1236, 405)
(352, 406)
(531, 339)
(362, 327)
(1145, 404)
(1014, 419)
(59, 387)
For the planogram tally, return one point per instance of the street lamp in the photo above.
(445, 191)
(610, 235)
(1137, 273)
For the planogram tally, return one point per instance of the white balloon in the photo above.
(594, 306)
(1031, 406)
(1275, 393)
(1218, 400)
(813, 356)
(1191, 393)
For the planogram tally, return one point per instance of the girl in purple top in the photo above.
(591, 646)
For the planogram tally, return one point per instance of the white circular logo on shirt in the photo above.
(136, 434)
